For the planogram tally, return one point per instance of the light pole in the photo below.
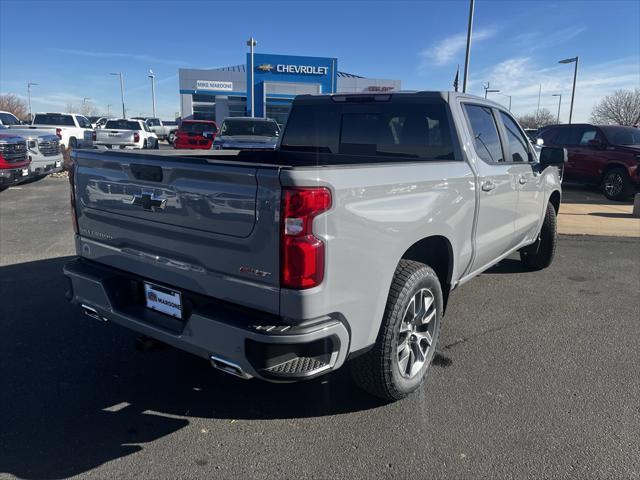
(573, 89)
(108, 110)
(152, 76)
(29, 85)
(559, 103)
(505, 95)
(489, 90)
(124, 113)
(251, 43)
(467, 56)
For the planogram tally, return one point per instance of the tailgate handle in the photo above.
(149, 173)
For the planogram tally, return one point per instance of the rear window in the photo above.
(389, 130)
(53, 119)
(122, 125)
(189, 127)
(249, 127)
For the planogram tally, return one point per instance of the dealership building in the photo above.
(215, 94)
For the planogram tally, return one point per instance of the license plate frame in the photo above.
(163, 300)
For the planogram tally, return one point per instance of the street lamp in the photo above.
(505, 95)
(124, 114)
(152, 76)
(29, 85)
(467, 56)
(575, 75)
(559, 103)
(251, 43)
(108, 110)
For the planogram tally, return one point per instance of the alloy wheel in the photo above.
(613, 184)
(416, 332)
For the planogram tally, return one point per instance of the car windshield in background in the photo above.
(420, 131)
(153, 122)
(122, 125)
(8, 119)
(170, 123)
(53, 119)
(249, 127)
(189, 127)
(83, 122)
(622, 135)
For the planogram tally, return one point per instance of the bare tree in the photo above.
(620, 108)
(88, 109)
(14, 104)
(539, 119)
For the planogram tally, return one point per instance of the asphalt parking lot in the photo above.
(536, 376)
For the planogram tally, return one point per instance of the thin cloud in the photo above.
(139, 58)
(446, 50)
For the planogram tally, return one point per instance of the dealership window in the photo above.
(278, 110)
(204, 111)
(237, 106)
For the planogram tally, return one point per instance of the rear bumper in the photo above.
(252, 343)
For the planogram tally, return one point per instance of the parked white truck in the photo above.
(126, 133)
(43, 148)
(163, 131)
(73, 130)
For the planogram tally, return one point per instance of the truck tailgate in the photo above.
(188, 223)
(115, 137)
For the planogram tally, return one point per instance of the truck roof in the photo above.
(446, 95)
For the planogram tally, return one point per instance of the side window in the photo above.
(588, 134)
(146, 127)
(83, 122)
(517, 141)
(568, 136)
(548, 136)
(485, 133)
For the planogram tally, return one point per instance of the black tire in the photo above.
(378, 370)
(171, 138)
(73, 143)
(540, 254)
(616, 184)
(156, 144)
(144, 145)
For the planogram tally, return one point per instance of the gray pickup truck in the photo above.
(340, 246)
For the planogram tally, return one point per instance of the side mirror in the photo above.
(553, 156)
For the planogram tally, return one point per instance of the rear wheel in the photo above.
(404, 349)
(156, 144)
(616, 184)
(73, 143)
(144, 145)
(540, 254)
(171, 138)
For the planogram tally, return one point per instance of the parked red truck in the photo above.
(14, 160)
(196, 134)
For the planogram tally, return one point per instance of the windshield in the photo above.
(622, 135)
(122, 125)
(189, 127)
(8, 119)
(249, 127)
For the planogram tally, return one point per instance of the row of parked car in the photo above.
(605, 156)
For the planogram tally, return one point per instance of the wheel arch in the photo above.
(437, 252)
(610, 166)
(554, 199)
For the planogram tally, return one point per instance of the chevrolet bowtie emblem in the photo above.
(149, 201)
(265, 67)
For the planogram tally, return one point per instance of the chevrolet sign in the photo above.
(303, 69)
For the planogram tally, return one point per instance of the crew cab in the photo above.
(607, 156)
(8, 119)
(14, 160)
(196, 134)
(342, 245)
(125, 133)
(73, 130)
(43, 149)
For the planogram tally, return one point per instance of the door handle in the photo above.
(522, 180)
(488, 186)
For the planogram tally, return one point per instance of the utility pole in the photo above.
(124, 113)
(251, 43)
(467, 56)
(29, 85)
(575, 76)
(153, 91)
(559, 103)
(539, 94)
(108, 110)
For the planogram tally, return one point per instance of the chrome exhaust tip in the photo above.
(93, 313)
(228, 367)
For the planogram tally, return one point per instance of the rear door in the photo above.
(498, 196)
(187, 223)
(588, 160)
(528, 182)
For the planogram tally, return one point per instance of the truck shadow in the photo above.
(74, 393)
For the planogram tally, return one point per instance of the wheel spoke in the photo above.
(403, 360)
(429, 316)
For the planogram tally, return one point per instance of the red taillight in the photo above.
(136, 137)
(72, 185)
(302, 255)
(59, 133)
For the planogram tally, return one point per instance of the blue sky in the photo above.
(69, 48)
